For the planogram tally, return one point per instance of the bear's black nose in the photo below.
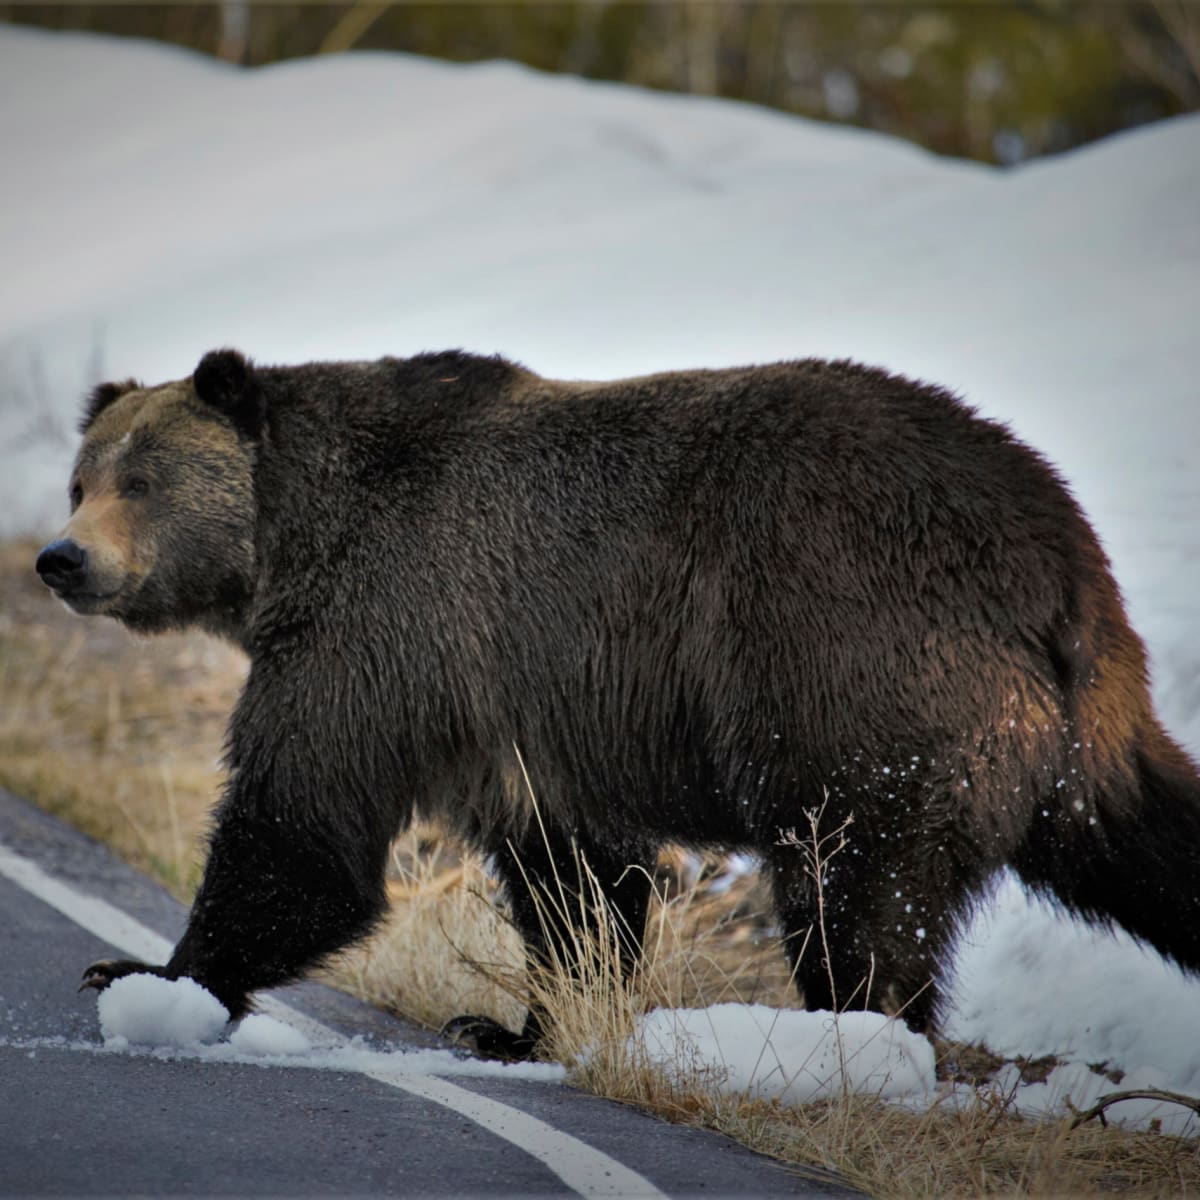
(62, 565)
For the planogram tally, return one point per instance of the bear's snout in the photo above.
(63, 565)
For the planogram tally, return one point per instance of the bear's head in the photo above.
(162, 522)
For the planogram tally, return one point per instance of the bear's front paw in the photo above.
(489, 1039)
(100, 974)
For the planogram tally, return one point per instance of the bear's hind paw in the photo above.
(489, 1039)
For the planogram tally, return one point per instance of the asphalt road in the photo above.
(76, 1119)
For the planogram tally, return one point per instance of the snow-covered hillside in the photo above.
(157, 204)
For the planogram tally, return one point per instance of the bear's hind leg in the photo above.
(566, 895)
(882, 926)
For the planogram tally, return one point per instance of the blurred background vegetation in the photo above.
(995, 82)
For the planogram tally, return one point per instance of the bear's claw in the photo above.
(100, 974)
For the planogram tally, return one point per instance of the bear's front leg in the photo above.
(280, 894)
(296, 861)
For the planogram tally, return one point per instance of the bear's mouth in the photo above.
(85, 602)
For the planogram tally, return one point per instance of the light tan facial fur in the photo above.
(159, 488)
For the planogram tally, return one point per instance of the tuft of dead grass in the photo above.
(122, 737)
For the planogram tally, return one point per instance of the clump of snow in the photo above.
(265, 1037)
(798, 1057)
(146, 1010)
(789, 1055)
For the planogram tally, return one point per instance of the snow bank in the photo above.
(307, 211)
(798, 1057)
(1030, 983)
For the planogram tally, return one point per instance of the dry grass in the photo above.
(982, 1151)
(122, 737)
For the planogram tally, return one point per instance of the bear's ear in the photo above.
(102, 395)
(226, 380)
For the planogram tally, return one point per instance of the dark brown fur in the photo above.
(698, 604)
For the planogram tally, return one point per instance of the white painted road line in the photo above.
(97, 916)
(584, 1169)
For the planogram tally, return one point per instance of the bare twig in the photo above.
(1098, 1109)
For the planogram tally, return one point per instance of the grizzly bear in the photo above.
(695, 606)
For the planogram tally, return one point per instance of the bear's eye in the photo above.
(136, 486)
(76, 496)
